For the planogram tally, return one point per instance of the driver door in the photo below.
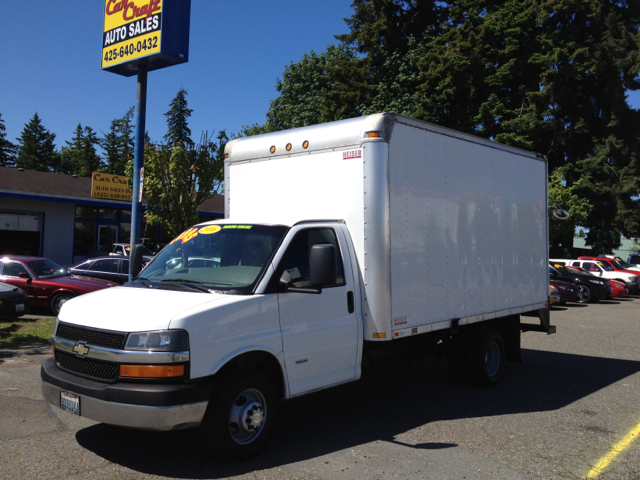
(319, 331)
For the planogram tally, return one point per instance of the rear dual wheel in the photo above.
(479, 360)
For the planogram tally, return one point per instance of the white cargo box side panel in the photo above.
(316, 186)
(468, 229)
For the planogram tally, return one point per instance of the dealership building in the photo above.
(55, 216)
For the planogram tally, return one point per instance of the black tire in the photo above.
(240, 416)
(485, 358)
(584, 293)
(58, 300)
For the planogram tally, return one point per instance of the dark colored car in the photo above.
(13, 301)
(114, 269)
(590, 288)
(568, 291)
(47, 284)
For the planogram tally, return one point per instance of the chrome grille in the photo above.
(114, 341)
(85, 366)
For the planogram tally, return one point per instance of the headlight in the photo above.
(599, 282)
(617, 286)
(633, 279)
(159, 341)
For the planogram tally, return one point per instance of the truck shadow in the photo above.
(387, 401)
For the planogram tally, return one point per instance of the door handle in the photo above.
(350, 303)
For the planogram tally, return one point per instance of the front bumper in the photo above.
(135, 405)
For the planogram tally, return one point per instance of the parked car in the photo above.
(121, 249)
(618, 289)
(47, 284)
(634, 259)
(114, 269)
(554, 295)
(567, 291)
(633, 285)
(590, 289)
(13, 301)
(600, 267)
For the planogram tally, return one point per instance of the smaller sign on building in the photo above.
(112, 187)
(150, 32)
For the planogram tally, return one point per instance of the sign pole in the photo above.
(138, 158)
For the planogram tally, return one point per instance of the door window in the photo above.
(296, 260)
(106, 266)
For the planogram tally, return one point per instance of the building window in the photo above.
(85, 237)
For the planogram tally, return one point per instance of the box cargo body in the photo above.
(445, 225)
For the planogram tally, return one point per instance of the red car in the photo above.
(47, 284)
(634, 288)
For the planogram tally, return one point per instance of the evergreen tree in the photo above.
(119, 143)
(7, 149)
(79, 157)
(36, 150)
(177, 123)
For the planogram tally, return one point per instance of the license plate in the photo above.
(70, 403)
(20, 307)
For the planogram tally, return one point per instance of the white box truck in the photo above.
(375, 238)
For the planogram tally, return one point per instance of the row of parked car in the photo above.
(40, 282)
(590, 279)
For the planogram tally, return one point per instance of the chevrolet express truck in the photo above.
(374, 238)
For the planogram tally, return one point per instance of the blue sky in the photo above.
(50, 54)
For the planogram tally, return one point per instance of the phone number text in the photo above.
(133, 47)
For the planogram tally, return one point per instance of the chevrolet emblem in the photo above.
(81, 349)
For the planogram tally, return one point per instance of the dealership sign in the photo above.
(150, 32)
(112, 187)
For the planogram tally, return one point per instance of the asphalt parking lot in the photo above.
(574, 398)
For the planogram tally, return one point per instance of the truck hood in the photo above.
(127, 309)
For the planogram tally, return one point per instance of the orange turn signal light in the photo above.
(305, 144)
(288, 147)
(151, 371)
(273, 149)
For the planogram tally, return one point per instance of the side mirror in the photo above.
(322, 263)
(135, 260)
(24, 275)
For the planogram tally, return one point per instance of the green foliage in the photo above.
(36, 150)
(79, 157)
(119, 143)
(177, 116)
(7, 149)
(560, 196)
(177, 181)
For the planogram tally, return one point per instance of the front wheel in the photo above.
(240, 416)
(584, 294)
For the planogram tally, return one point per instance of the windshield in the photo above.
(622, 263)
(217, 257)
(47, 269)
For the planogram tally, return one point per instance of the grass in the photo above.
(20, 332)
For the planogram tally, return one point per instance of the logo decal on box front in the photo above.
(351, 154)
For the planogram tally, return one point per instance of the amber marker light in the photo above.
(273, 149)
(373, 134)
(305, 144)
(289, 147)
(151, 371)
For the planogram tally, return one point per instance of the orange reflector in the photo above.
(273, 149)
(288, 147)
(379, 335)
(151, 371)
(226, 155)
(373, 134)
(305, 144)
(53, 352)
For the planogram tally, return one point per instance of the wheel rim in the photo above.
(247, 416)
(60, 301)
(492, 359)
(582, 293)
